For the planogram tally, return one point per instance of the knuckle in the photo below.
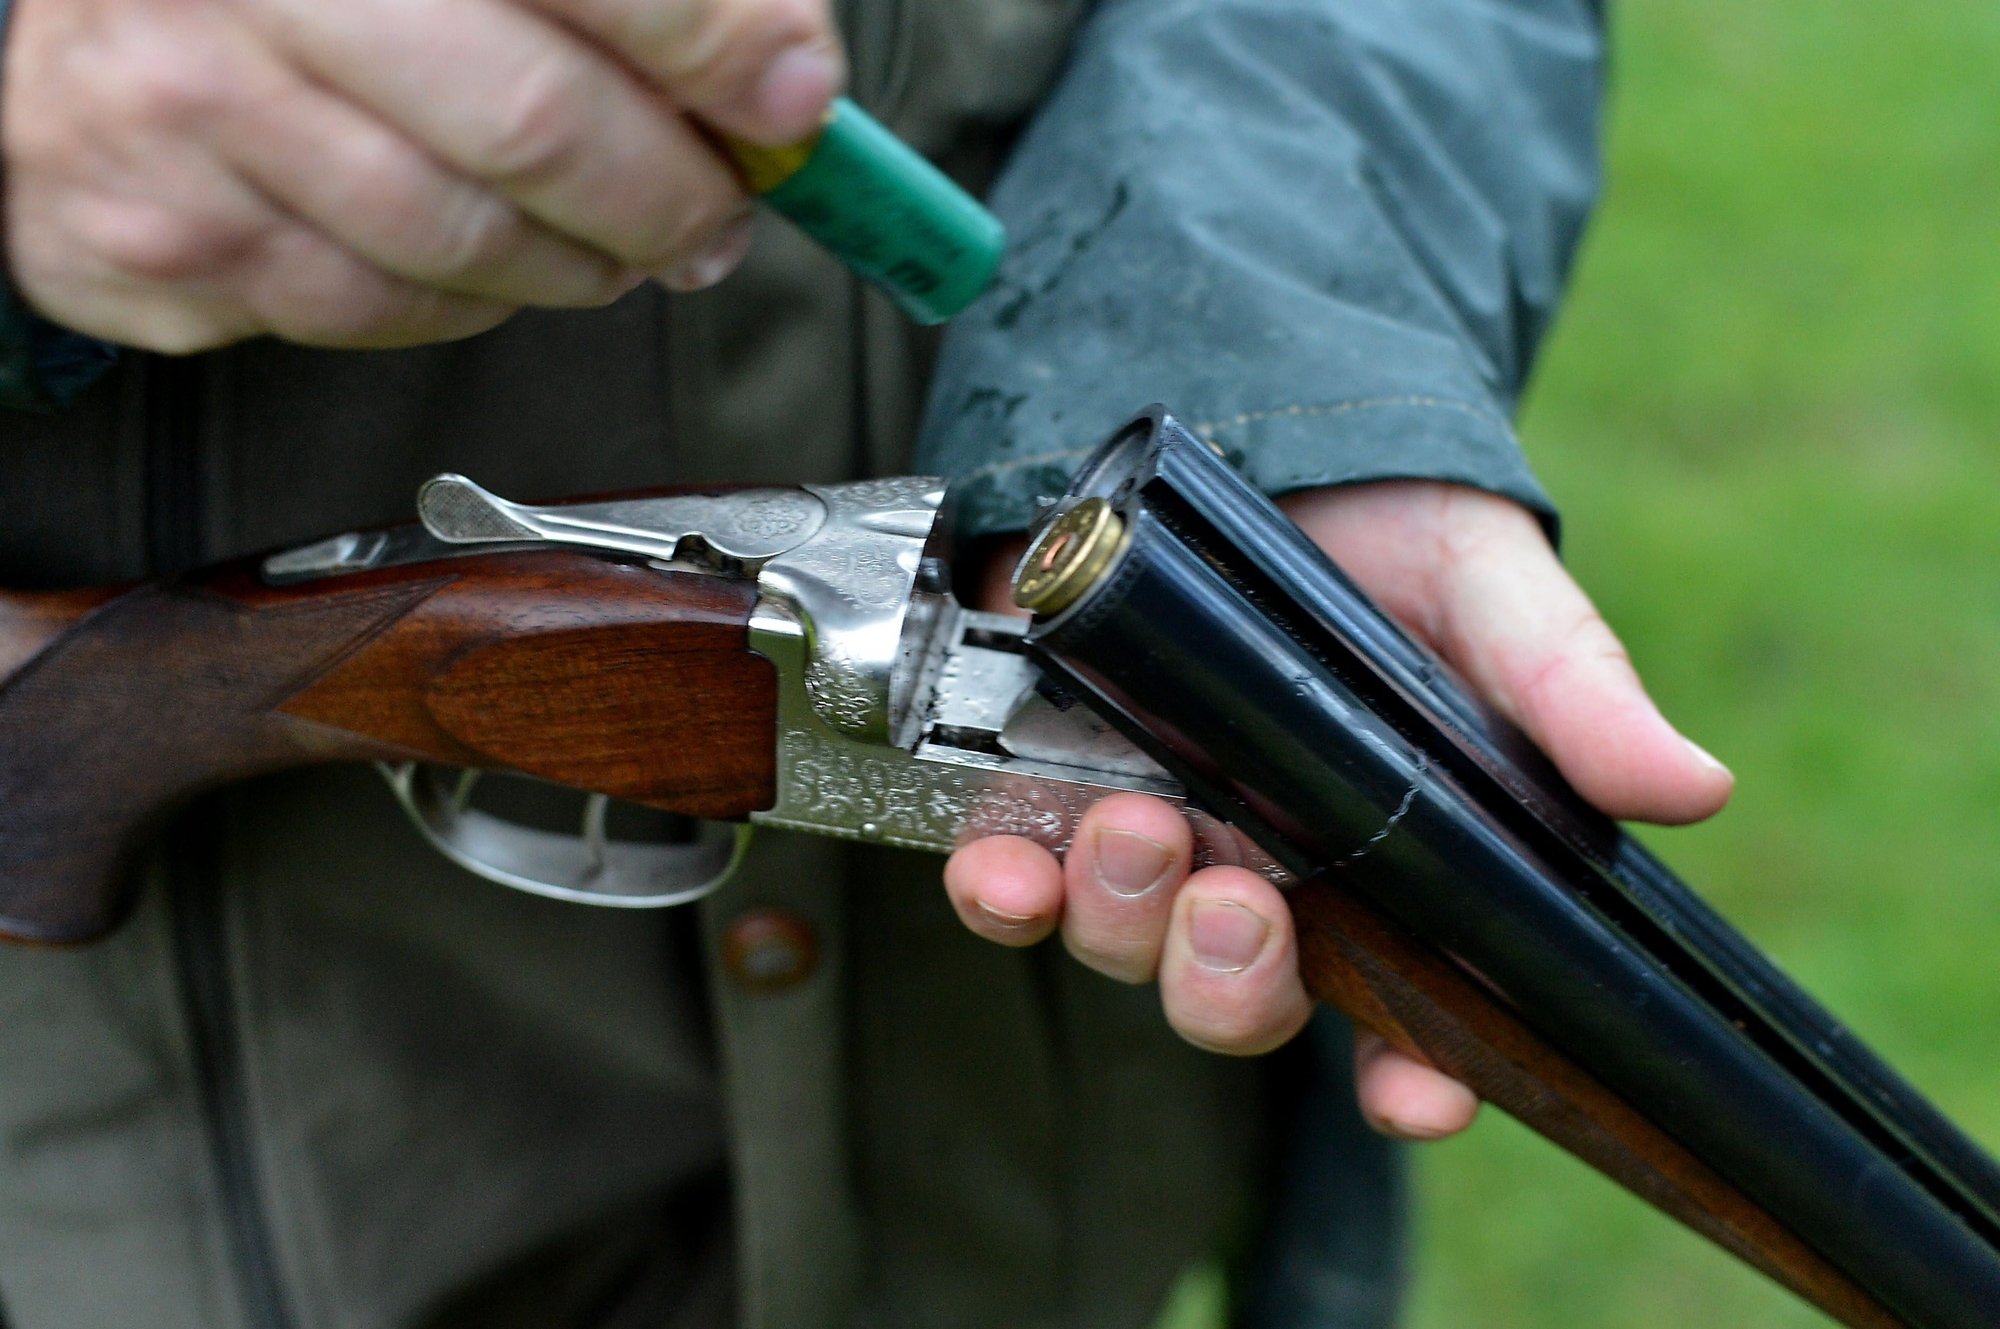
(687, 36)
(180, 90)
(791, 22)
(686, 227)
(717, 48)
(1236, 1028)
(449, 231)
(539, 132)
(162, 246)
(477, 234)
(1228, 1026)
(67, 280)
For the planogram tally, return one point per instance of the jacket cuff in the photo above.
(1286, 448)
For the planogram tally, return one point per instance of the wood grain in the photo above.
(30, 620)
(606, 676)
(1355, 958)
(591, 673)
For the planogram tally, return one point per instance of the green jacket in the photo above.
(325, 1080)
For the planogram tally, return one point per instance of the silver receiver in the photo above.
(903, 718)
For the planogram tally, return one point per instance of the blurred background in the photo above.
(1771, 414)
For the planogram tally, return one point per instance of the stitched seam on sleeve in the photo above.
(1018, 463)
(1305, 409)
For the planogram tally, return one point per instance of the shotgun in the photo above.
(795, 658)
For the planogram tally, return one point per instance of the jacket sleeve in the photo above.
(1327, 234)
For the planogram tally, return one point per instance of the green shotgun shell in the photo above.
(881, 209)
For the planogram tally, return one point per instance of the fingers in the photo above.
(278, 277)
(1005, 889)
(1403, 1097)
(1219, 941)
(1529, 639)
(1111, 895)
(377, 193)
(1130, 855)
(1474, 575)
(172, 250)
(457, 158)
(504, 95)
(1229, 971)
(306, 289)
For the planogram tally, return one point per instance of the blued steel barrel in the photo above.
(1216, 636)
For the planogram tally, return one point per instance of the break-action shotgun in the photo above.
(794, 657)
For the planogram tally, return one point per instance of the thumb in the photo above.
(1525, 635)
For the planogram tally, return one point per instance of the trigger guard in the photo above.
(582, 869)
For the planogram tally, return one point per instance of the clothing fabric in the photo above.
(325, 1080)
(1328, 236)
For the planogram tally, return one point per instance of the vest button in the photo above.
(769, 950)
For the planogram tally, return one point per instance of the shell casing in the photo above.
(765, 168)
(1069, 557)
(880, 208)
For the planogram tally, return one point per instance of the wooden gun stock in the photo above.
(119, 705)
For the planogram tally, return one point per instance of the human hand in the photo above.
(1472, 576)
(384, 172)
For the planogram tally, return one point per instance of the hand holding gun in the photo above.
(1472, 576)
(794, 657)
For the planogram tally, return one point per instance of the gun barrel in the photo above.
(1221, 641)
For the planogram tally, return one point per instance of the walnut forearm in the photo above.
(1354, 958)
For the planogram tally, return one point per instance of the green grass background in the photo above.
(1771, 414)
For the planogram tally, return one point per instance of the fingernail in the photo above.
(1449, 1115)
(1128, 863)
(1226, 937)
(714, 263)
(1705, 757)
(1415, 1132)
(794, 91)
(1001, 918)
